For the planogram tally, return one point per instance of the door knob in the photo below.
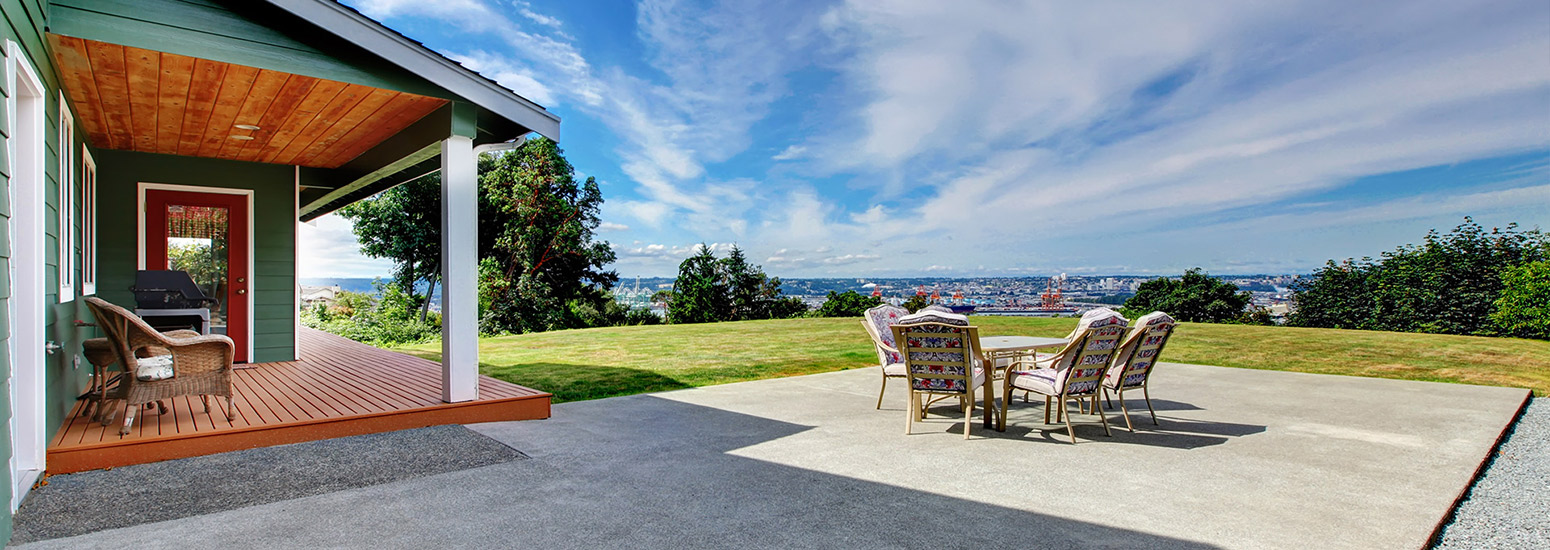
(52, 347)
(242, 279)
(242, 291)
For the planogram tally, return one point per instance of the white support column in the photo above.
(459, 270)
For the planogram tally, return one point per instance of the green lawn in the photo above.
(594, 363)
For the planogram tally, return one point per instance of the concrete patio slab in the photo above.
(1242, 459)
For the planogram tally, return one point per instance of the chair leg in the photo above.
(1069, 430)
(1103, 417)
(229, 414)
(206, 400)
(880, 392)
(1125, 410)
(968, 419)
(129, 418)
(909, 416)
(1006, 403)
(1148, 396)
(1046, 409)
(1106, 400)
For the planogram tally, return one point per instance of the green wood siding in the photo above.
(119, 174)
(23, 22)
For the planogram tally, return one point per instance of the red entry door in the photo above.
(205, 234)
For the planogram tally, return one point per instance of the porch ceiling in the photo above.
(135, 99)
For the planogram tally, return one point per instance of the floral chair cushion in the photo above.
(1139, 353)
(937, 308)
(952, 349)
(881, 319)
(155, 367)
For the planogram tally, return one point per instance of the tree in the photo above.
(915, 303)
(1523, 309)
(403, 224)
(698, 296)
(710, 290)
(1450, 283)
(846, 304)
(1195, 297)
(541, 223)
(1337, 296)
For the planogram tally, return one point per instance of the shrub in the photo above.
(1523, 310)
(847, 304)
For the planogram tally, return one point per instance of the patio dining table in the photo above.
(1003, 347)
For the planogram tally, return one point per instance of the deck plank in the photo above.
(337, 387)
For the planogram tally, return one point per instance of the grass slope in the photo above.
(594, 363)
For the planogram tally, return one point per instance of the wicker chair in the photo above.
(942, 360)
(1136, 359)
(202, 364)
(877, 321)
(1076, 372)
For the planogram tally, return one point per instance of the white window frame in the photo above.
(66, 211)
(88, 222)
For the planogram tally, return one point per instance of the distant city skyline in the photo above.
(866, 138)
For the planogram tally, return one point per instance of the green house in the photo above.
(197, 134)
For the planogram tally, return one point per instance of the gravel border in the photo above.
(75, 504)
(1509, 505)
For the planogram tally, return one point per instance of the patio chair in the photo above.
(942, 360)
(1076, 372)
(1136, 359)
(191, 365)
(877, 321)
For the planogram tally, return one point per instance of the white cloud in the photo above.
(790, 153)
(327, 248)
(611, 226)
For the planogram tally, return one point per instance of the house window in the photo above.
(66, 202)
(88, 223)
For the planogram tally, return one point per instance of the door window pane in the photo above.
(197, 242)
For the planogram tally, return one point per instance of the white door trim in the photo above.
(27, 154)
(140, 237)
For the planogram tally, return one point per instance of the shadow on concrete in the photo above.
(663, 473)
(1027, 422)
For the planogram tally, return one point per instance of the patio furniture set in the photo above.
(941, 356)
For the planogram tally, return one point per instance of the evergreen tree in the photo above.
(698, 294)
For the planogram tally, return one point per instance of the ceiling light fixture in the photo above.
(245, 127)
(243, 138)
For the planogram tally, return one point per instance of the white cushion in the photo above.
(895, 369)
(926, 316)
(1040, 381)
(156, 367)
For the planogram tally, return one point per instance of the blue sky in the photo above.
(875, 138)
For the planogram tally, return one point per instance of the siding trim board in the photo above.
(253, 286)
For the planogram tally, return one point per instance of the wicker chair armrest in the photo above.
(181, 333)
(200, 339)
(210, 353)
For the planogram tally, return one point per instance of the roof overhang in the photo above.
(416, 58)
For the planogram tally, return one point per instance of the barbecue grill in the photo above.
(169, 290)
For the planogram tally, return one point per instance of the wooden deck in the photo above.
(337, 388)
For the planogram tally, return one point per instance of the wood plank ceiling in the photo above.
(134, 99)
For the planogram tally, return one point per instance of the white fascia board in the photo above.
(413, 57)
